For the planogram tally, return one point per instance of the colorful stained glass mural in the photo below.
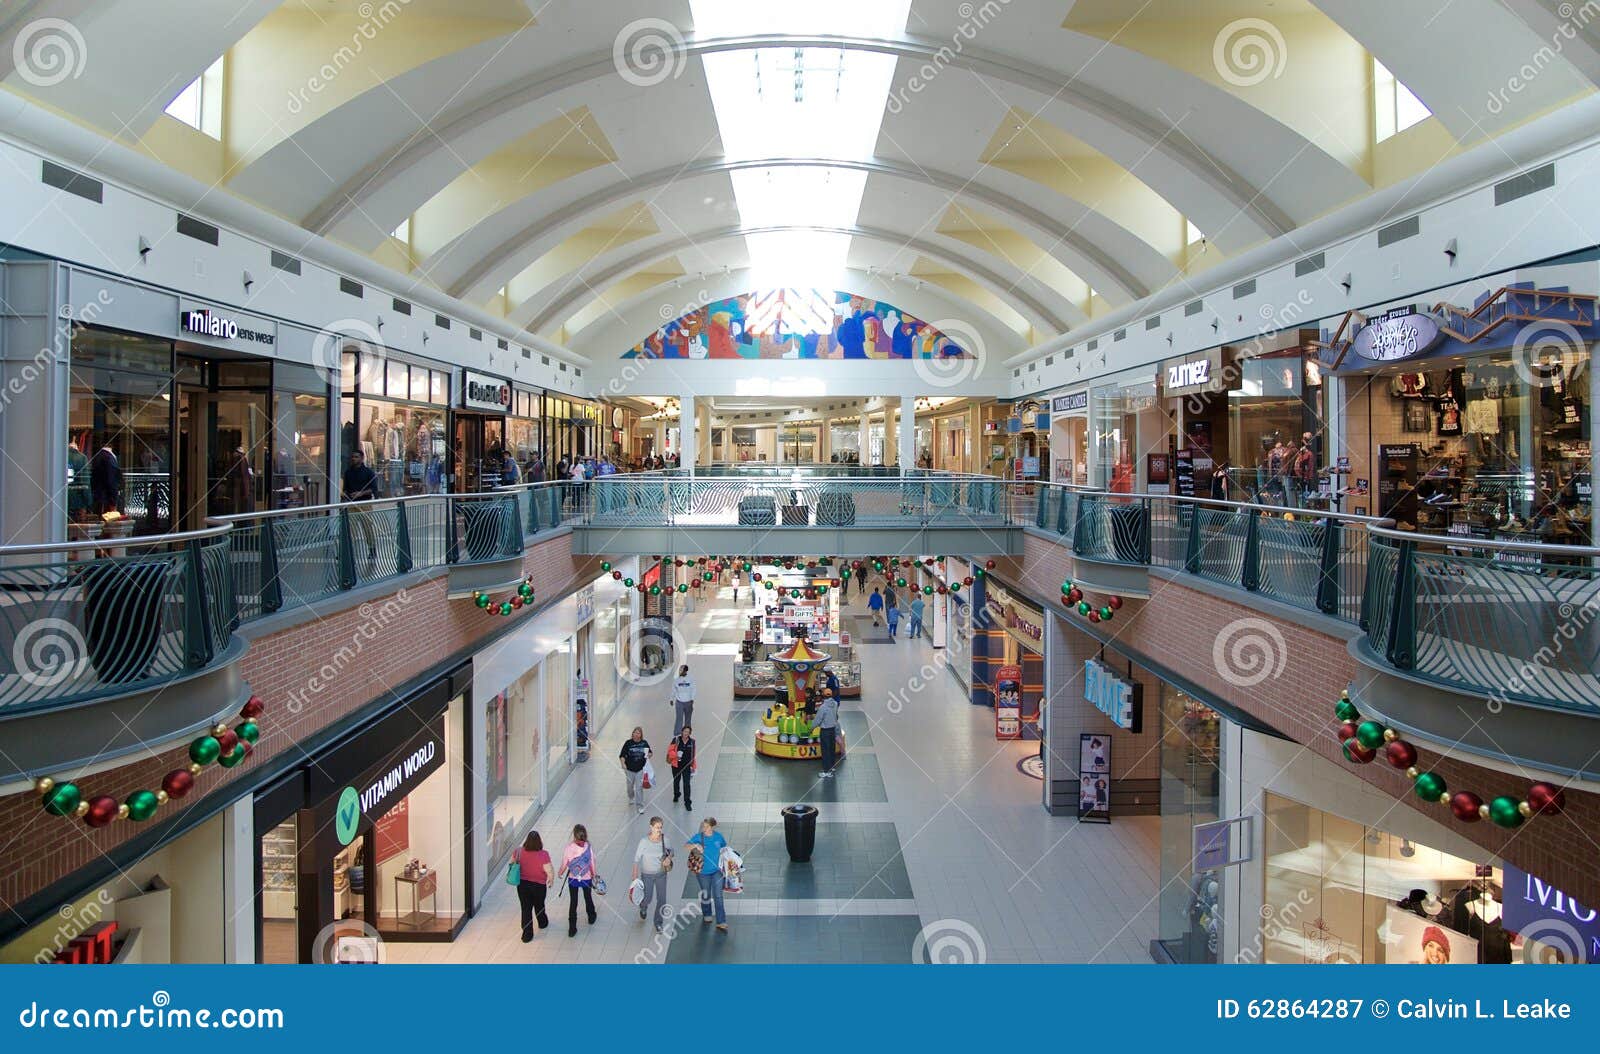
(797, 324)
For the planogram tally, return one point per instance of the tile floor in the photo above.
(931, 843)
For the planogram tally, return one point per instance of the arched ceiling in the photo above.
(1038, 164)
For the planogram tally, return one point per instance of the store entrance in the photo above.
(223, 449)
(479, 452)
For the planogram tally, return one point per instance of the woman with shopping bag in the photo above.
(579, 869)
(634, 758)
(681, 759)
(652, 860)
(531, 872)
(705, 848)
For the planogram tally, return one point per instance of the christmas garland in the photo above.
(1072, 597)
(1361, 739)
(222, 745)
(521, 598)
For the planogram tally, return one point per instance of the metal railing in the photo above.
(1510, 621)
(935, 499)
(287, 558)
(83, 620)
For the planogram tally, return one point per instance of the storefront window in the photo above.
(1190, 921)
(119, 435)
(300, 438)
(557, 668)
(404, 442)
(1270, 412)
(845, 443)
(603, 680)
(512, 754)
(1495, 448)
(1340, 892)
(1124, 422)
(279, 914)
(950, 446)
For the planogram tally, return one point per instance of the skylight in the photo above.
(1397, 107)
(790, 102)
(199, 105)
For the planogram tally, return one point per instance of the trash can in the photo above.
(800, 831)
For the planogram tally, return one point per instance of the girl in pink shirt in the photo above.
(577, 864)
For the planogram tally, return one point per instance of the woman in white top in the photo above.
(650, 864)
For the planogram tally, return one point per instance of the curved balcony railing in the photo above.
(287, 558)
(81, 621)
(1511, 621)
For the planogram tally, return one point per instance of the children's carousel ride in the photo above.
(786, 730)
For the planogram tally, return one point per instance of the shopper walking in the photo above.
(634, 756)
(651, 860)
(917, 610)
(682, 699)
(827, 722)
(578, 868)
(709, 875)
(680, 756)
(891, 613)
(360, 483)
(875, 604)
(536, 874)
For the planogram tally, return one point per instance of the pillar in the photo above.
(862, 447)
(908, 432)
(890, 443)
(702, 429)
(688, 441)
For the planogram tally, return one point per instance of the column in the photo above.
(908, 432)
(658, 446)
(866, 435)
(824, 441)
(889, 443)
(688, 441)
(702, 423)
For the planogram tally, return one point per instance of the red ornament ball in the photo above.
(1347, 731)
(616, 576)
(1546, 798)
(1094, 616)
(1114, 603)
(989, 564)
(1466, 805)
(943, 590)
(177, 783)
(227, 741)
(967, 581)
(516, 601)
(1358, 753)
(102, 810)
(1400, 754)
(254, 708)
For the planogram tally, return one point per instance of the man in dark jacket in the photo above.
(360, 483)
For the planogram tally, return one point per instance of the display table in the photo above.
(423, 887)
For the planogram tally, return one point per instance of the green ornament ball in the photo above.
(683, 587)
(204, 750)
(977, 572)
(605, 565)
(655, 591)
(62, 800)
(845, 574)
(505, 607)
(927, 591)
(901, 582)
(1083, 607)
(746, 565)
(249, 731)
(1503, 812)
(1370, 734)
(228, 761)
(482, 600)
(1430, 786)
(628, 582)
(525, 589)
(143, 804)
(1106, 613)
(1066, 587)
(1346, 711)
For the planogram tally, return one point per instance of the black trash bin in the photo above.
(800, 831)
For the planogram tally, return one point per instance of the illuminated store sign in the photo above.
(225, 329)
(1020, 620)
(1071, 402)
(1539, 911)
(1207, 371)
(483, 392)
(1398, 334)
(1119, 699)
(1189, 374)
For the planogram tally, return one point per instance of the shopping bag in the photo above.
(672, 754)
(636, 891)
(649, 775)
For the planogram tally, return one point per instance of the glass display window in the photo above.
(1125, 423)
(119, 435)
(1190, 920)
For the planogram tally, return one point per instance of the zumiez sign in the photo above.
(1204, 371)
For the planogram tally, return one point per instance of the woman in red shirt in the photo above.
(537, 874)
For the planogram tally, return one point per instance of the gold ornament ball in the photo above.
(221, 728)
(44, 785)
(83, 809)
(122, 812)
(1524, 808)
(1390, 735)
(195, 768)
(161, 796)
(1413, 772)
(1483, 811)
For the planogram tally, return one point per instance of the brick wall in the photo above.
(1179, 627)
(309, 675)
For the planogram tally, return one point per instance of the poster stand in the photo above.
(1094, 777)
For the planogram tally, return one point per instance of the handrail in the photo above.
(260, 514)
(1467, 541)
(129, 542)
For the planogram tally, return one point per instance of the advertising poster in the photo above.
(1410, 938)
(1008, 702)
(1094, 777)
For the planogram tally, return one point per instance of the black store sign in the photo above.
(396, 757)
(481, 391)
